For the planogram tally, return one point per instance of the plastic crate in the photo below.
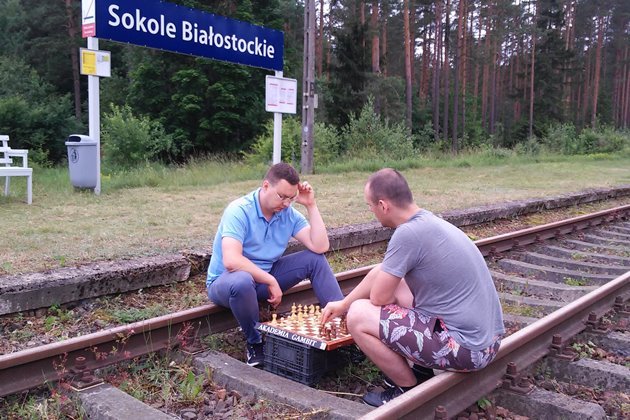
(297, 361)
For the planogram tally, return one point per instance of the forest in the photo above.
(432, 74)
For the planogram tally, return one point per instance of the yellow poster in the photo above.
(88, 62)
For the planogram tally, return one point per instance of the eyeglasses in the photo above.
(284, 198)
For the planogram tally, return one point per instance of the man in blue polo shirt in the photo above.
(247, 263)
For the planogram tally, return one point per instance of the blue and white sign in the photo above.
(171, 27)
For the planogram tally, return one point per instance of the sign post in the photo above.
(280, 97)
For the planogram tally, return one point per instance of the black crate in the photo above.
(297, 361)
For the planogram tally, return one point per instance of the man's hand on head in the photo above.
(306, 194)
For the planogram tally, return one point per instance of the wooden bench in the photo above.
(7, 170)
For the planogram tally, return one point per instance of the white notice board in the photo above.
(280, 95)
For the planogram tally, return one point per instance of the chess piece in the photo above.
(293, 309)
(274, 319)
(327, 334)
(311, 309)
(343, 326)
(333, 330)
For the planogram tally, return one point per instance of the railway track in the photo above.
(574, 273)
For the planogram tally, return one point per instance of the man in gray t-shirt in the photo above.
(431, 302)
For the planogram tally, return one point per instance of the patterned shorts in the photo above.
(425, 340)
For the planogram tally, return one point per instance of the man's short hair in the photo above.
(389, 184)
(281, 171)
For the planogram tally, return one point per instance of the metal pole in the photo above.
(94, 110)
(308, 95)
(277, 132)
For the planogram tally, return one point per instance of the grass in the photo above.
(156, 209)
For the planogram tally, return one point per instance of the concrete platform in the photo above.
(247, 380)
(542, 404)
(105, 402)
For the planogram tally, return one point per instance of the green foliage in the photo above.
(585, 350)
(369, 136)
(13, 27)
(32, 114)
(326, 144)
(563, 138)
(529, 147)
(570, 281)
(129, 315)
(131, 141)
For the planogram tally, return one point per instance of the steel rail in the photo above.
(33, 367)
(508, 241)
(457, 391)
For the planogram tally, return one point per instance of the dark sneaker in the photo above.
(421, 373)
(376, 398)
(255, 354)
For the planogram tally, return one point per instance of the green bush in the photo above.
(561, 138)
(603, 140)
(326, 144)
(368, 136)
(33, 114)
(131, 141)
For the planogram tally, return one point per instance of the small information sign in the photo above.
(96, 63)
(280, 95)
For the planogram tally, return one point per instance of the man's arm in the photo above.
(315, 236)
(234, 260)
(375, 285)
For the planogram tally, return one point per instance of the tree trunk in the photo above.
(461, 23)
(598, 64)
(408, 94)
(531, 75)
(447, 67)
(385, 14)
(435, 91)
(493, 86)
(485, 76)
(376, 55)
(424, 73)
(76, 77)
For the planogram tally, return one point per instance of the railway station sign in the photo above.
(170, 27)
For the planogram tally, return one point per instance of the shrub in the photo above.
(561, 138)
(326, 144)
(603, 140)
(368, 136)
(131, 141)
(33, 114)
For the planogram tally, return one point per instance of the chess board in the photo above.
(302, 326)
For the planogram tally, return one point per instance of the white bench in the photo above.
(7, 170)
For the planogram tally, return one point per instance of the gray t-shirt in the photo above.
(448, 277)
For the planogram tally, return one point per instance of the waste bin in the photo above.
(82, 161)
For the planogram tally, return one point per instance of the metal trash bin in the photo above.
(82, 161)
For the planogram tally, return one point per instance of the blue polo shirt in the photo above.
(263, 241)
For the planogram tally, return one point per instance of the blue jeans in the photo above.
(239, 292)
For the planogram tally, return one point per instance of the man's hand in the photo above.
(306, 195)
(332, 310)
(275, 294)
